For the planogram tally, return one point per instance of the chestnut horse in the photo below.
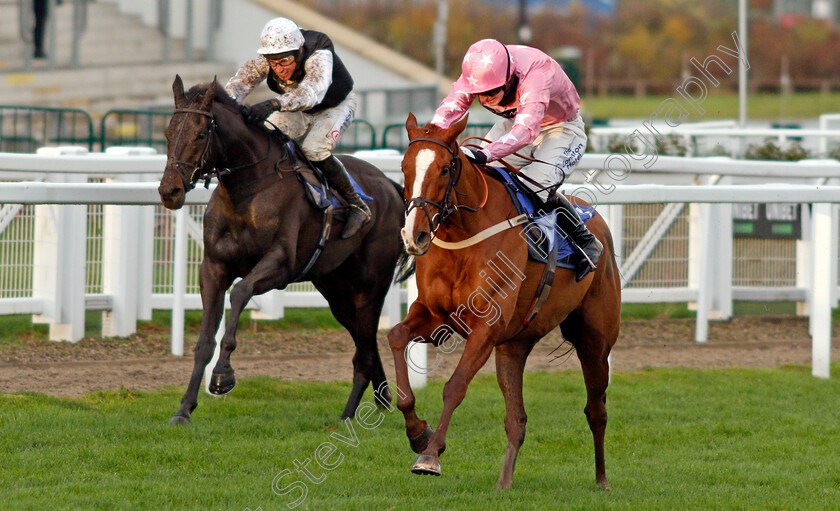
(260, 226)
(480, 294)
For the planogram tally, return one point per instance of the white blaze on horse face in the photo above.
(424, 159)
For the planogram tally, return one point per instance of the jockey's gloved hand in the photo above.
(260, 111)
(476, 157)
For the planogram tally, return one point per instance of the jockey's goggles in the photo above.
(492, 92)
(284, 60)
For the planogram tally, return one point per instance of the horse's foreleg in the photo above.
(416, 323)
(214, 281)
(476, 352)
(510, 364)
(268, 274)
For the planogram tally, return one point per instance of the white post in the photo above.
(59, 260)
(132, 279)
(804, 262)
(145, 262)
(272, 305)
(821, 298)
(695, 248)
(120, 267)
(707, 279)
(722, 237)
(391, 309)
(418, 352)
(179, 285)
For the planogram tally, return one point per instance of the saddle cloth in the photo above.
(315, 183)
(542, 231)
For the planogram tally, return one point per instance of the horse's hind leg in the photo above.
(593, 349)
(359, 314)
(214, 280)
(510, 364)
(268, 274)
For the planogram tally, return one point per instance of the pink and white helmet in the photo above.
(280, 35)
(486, 66)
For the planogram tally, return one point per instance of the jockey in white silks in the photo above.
(315, 101)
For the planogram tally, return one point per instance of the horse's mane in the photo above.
(219, 94)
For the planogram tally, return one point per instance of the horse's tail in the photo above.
(405, 263)
(405, 267)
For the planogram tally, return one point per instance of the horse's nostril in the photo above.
(422, 239)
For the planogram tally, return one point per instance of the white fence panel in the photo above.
(125, 297)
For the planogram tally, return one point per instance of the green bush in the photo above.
(835, 152)
(771, 151)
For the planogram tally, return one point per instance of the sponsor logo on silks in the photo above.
(571, 157)
(336, 133)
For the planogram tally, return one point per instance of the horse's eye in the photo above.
(444, 171)
(202, 136)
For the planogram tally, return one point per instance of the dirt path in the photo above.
(142, 362)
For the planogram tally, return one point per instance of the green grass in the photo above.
(774, 107)
(677, 439)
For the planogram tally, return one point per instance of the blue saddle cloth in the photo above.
(317, 194)
(538, 249)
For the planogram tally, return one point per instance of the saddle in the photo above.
(542, 232)
(319, 194)
(317, 188)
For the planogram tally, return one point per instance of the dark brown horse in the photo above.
(480, 294)
(260, 226)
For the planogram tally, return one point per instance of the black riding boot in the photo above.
(358, 214)
(570, 222)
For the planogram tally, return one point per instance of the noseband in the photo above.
(199, 172)
(445, 207)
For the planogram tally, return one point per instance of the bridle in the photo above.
(445, 207)
(199, 171)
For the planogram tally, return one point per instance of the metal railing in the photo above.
(26, 128)
(134, 127)
(23, 129)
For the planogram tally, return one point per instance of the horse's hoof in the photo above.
(426, 466)
(179, 419)
(603, 484)
(419, 443)
(222, 383)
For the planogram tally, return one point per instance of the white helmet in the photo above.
(279, 36)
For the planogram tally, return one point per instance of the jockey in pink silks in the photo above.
(539, 107)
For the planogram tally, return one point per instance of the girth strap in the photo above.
(543, 290)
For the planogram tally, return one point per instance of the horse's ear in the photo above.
(411, 122)
(456, 129)
(178, 90)
(208, 98)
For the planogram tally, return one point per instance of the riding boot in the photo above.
(358, 214)
(571, 223)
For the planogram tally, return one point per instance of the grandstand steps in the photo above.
(121, 62)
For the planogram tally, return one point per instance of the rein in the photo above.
(199, 172)
(515, 170)
(445, 207)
